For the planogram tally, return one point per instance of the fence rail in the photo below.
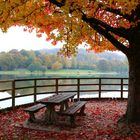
(33, 87)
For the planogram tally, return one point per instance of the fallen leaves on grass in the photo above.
(100, 123)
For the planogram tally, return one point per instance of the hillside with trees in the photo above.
(48, 59)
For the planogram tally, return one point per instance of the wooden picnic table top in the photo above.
(57, 99)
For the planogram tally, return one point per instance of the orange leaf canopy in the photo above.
(62, 20)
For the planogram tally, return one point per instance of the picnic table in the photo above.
(51, 113)
(59, 99)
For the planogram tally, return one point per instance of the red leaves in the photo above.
(54, 43)
(39, 35)
(100, 123)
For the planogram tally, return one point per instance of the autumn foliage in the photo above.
(101, 24)
(65, 20)
(99, 123)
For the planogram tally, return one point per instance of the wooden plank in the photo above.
(74, 108)
(34, 108)
(59, 98)
(78, 88)
(13, 94)
(35, 90)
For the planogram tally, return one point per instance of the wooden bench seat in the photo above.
(72, 111)
(33, 109)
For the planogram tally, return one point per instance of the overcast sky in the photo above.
(18, 39)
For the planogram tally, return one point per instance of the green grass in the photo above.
(55, 72)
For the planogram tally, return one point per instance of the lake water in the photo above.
(29, 99)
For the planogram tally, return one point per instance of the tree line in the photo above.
(42, 60)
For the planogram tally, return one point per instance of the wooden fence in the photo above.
(34, 87)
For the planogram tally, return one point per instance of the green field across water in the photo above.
(65, 73)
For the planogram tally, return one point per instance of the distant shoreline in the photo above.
(56, 72)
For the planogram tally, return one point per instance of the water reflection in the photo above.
(70, 85)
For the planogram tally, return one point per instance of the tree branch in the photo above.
(122, 32)
(59, 4)
(29, 14)
(106, 34)
(136, 13)
(117, 12)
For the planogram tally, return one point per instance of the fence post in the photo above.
(99, 88)
(13, 94)
(35, 90)
(78, 88)
(56, 85)
(121, 88)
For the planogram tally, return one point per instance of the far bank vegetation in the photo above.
(43, 60)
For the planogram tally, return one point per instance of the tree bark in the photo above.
(133, 106)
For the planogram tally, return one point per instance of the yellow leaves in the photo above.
(46, 17)
(68, 50)
(126, 6)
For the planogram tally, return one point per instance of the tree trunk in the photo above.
(133, 106)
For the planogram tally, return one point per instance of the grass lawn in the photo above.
(71, 72)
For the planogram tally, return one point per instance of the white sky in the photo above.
(18, 39)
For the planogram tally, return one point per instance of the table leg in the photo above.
(50, 114)
(82, 113)
(64, 106)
